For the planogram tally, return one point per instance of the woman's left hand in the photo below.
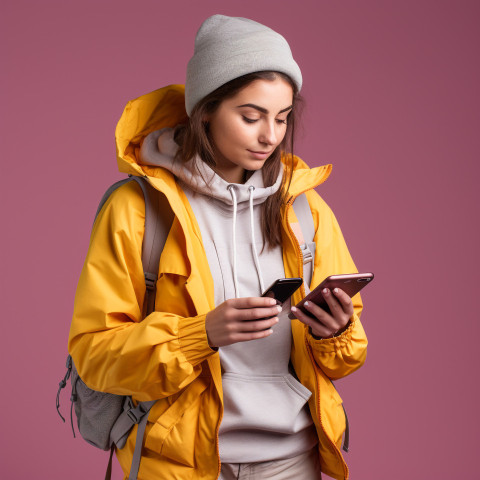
(323, 324)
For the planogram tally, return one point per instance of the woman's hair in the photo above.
(194, 141)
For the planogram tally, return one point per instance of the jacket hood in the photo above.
(165, 108)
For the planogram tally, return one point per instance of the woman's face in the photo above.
(246, 129)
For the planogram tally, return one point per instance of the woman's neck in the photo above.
(238, 175)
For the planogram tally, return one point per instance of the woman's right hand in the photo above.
(240, 320)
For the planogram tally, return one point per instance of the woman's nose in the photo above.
(268, 134)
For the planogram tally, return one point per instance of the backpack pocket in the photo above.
(96, 412)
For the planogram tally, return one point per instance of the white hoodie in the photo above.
(265, 412)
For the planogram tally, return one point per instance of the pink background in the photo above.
(392, 94)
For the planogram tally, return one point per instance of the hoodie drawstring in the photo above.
(231, 189)
(254, 248)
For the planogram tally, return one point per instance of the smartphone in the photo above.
(282, 289)
(350, 283)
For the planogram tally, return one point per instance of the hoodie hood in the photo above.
(165, 108)
(159, 149)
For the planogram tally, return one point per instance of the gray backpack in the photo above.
(104, 419)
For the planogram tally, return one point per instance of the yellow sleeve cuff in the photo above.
(193, 339)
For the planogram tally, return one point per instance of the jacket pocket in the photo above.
(173, 433)
(273, 403)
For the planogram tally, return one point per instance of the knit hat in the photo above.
(229, 47)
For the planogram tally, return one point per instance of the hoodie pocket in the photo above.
(273, 403)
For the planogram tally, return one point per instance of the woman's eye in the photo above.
(253, 120)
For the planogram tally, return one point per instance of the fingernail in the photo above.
(293, 309)
(279, 308)
(273, 301)
(325, 291)
(306, 304)
(335, 290)
(276, 320)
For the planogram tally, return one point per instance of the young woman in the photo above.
(241, 390)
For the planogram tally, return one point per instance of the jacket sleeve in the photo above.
(112, 348)
(342, 355)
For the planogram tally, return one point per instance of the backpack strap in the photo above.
(304, 230)
(304, 217)
(107, 194)
(158, 221)
(130, 416)
(137, 453)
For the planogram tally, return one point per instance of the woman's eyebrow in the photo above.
(264, 110)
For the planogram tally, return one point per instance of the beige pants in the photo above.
(302, 467)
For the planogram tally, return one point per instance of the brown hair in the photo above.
(193, 140)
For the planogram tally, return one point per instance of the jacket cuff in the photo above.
(332, 344)
(193, 339)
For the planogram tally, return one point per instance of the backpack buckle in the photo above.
(306, 254)
(131, 414)
(136, 414)
(150, 280)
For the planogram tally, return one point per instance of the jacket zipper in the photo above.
(346, 438)
(290, 202)
(217, 441)
(335, 448)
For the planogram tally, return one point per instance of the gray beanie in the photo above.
(229, 47)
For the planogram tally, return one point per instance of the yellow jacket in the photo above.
(166, 356)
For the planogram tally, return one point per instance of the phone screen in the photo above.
(283, 288)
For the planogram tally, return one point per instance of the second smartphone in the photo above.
(282, 289)
(350, 283)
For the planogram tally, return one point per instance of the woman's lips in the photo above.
(259, 155)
